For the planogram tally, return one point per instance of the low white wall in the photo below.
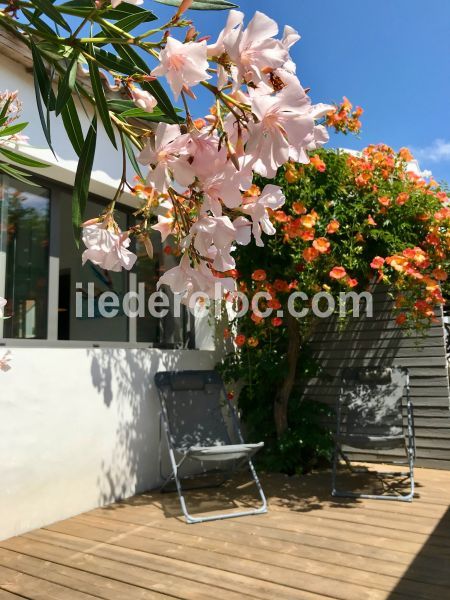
(79, 428)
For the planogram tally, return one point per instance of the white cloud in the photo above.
(414, 167)
(438, 151)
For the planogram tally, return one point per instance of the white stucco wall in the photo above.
(79, 427)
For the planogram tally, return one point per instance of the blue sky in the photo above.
(392, 57)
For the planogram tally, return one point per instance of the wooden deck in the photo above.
(307, 547)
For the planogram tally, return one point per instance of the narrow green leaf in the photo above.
(35, 20)
(120, 106)
(77, 8)
(67, 84)
(72, 125)
(13, 129)
(44, 123)
(131, 21)
(47, 8)
(55, 51)
(5, 107)
(22, 160)
(42, 77)
(108, 60)
(202, 4)
(131, 155)
(84, 7)
(125, 10)
(83, 178)
(100, 99)
(20, 175)
(78, 3)
(138, 113)
(157, 116)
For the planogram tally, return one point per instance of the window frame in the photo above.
(52, 340)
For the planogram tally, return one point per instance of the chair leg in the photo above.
(255, 511)
(349, 494)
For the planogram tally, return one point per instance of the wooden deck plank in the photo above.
(75, 579)
(353, 584)
(309, 547)
(4, 595)
(36, 588)
(146, 577)
(243, 548)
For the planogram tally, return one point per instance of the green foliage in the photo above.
(72, 125)
(56, 60)
(100, 100)
(9, 129)
(83, 178)
(308, 441)
(202, 4)
(358, 208)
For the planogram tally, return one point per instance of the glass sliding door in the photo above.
(24, 250)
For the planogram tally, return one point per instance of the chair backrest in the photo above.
(371, 401)
(192, 403)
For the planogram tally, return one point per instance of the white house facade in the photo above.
(79, 415)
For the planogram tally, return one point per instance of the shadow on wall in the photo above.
(125, 380)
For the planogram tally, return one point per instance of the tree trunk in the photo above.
(282, 398)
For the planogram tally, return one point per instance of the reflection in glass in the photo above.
(24, 237)
(74, 276)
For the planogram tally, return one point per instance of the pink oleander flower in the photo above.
(214, 237)
(4, 362)
(166, 152)
(207, 156)
(256, 208)
(164, 226)
(254, 51)
(290, 37)
(184, 65)
(184, 279)
(3, 302)
(107, 247)
(285, 126)
(225, 186)
(320, 135)
(143, 99)
(227, 38)
(115, 3)
(243, 229)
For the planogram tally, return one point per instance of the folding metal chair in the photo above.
(370, 417)
(192, 414)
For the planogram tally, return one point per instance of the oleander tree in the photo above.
(98, 56)
(350, 220)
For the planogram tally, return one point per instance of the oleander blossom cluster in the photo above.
(2, 306)
(200, 173)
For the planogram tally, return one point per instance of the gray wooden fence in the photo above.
(379, 341)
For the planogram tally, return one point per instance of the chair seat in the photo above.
(376, 442)
(217, 453)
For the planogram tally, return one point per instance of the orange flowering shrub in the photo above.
(349, 220)
(344, 118)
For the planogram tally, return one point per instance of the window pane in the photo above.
(24, 236)
(169, 330)
(147, 272)
(89, 278)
